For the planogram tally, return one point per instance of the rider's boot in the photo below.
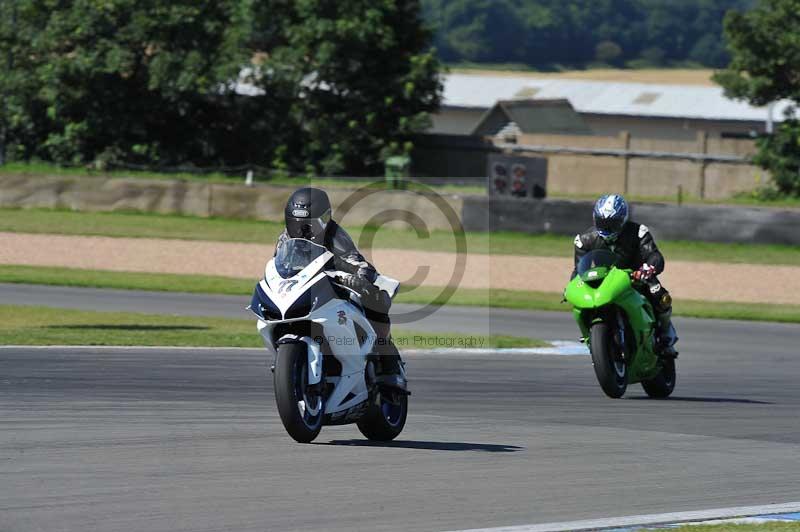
(667, 336)
(391, 367)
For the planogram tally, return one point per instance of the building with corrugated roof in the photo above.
(512, 117)
(645, 110)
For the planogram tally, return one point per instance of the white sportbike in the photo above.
(324, 369)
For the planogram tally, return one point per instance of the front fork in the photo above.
(619, 334)
(314, 353)
(612, 317)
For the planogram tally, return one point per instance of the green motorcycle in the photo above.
(619, 326)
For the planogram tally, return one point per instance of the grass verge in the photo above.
(160, 282)
(21, 325)
(522, 300)
(250, 231)
(511, 299)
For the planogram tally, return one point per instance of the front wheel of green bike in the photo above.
(608, 361)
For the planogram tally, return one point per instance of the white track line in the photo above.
(652, 519)
(557, 349)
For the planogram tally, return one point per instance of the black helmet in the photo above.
(307, 214)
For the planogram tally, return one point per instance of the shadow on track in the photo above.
(132, 327)
(429, 445)
(703, 400)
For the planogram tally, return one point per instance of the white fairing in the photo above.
(337, 318)
(387, 284)
(314, 360)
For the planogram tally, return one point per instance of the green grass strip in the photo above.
(522, 300)
(160, 282)
(137, 225)
(737, 311)
(22, 325)
(512, 299)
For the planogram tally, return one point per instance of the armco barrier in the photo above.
(265, 202)
(698, 223)
(105, 194)
(394, 208)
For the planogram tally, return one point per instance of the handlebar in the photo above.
(337, 277)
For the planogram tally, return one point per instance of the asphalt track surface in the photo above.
(171, 439)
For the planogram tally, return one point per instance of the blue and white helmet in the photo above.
(610, 214)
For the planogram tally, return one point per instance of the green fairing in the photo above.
(616, 289)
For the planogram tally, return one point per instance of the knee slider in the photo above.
(665, 301)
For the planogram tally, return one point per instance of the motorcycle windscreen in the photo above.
(293, 255)
(599, 258)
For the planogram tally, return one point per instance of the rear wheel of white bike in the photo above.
(386, 416)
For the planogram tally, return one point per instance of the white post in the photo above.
(248, 181)
(770, 120)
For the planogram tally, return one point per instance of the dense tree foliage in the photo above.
(363, 78)
(579, 33)
(142, 80)
(765, 67)
(152, 81)
(779, 153)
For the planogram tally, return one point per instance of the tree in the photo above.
(765, 67)
(709, 51)
(487, 30)
(779, 153)
(152, 81)
(653, 56)
(765, 49)
(607, 52)
(554, 33)
(18, 130)
(363, 80)
(127, 80)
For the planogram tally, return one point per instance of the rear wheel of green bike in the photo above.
(662, 385)
(609, 364)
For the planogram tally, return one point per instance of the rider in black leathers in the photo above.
(308, 215)
(637, 250)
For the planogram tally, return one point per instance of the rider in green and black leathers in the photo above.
(308, 215)
(637, 250)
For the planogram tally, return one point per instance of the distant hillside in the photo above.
(554, 34)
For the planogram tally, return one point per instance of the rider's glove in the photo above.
(356, 283)
(644, 273)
